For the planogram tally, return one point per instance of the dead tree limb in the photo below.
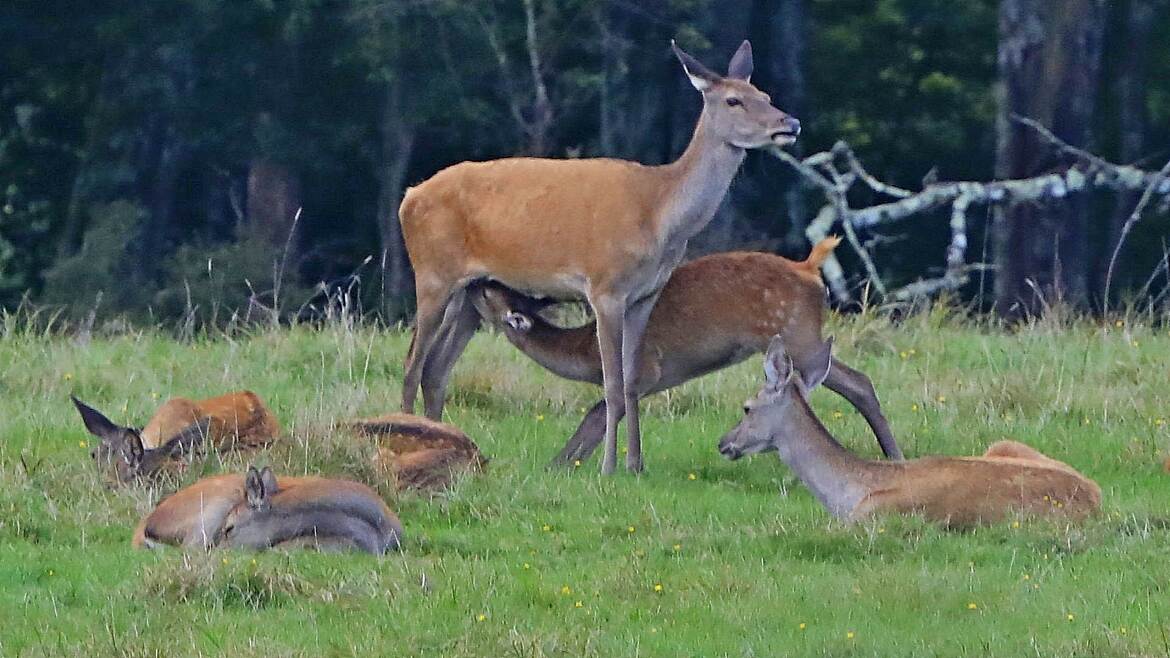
(835, 172)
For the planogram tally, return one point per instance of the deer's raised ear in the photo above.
(741, 64)
(254, 490)
(701, 77)
(97, 424)
(269, 480)
(777, 365)
(819, 366)
(132, 449)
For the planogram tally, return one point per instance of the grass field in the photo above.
(698, 557)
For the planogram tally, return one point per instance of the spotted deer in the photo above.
(1010, 478)
(714, 312)
(610, 231)
(419, 453)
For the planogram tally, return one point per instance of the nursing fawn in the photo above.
(713, 312)
(1010, 478)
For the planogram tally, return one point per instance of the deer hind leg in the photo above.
(610, 311)
(459, 324)
(634, 327)
(432, 305)
(855, 387)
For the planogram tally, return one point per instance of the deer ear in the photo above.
(97, 424)
(741, 64)
(777, 365)
(821, 363)
(269, 480)
(254, 490)
(701, 77)
(132, 449)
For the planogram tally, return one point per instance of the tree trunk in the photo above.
(161, 159)
(1049, 65)
(398, 136)
(1137, 27)
(274, 197)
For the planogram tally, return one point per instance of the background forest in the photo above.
(154, 155)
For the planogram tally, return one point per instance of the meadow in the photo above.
(697, 557)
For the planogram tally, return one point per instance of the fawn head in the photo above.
(740, 114)
(120, 453)
(503, 306)
(766, 416)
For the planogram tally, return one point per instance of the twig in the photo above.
(1134, 216)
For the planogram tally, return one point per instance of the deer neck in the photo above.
(699, 181)
(832, 473)
(571, 353)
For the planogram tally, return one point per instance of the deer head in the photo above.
(740, 114)
(507, 308)
(120, 453)
(767, 416)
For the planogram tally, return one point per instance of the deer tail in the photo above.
(820, 252)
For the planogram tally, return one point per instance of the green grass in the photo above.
(522, 561)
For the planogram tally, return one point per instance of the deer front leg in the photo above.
(588, 436)
(637, 315)
(610, 312)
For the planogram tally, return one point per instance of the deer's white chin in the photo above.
(783, 139)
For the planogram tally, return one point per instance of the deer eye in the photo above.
(734, 102)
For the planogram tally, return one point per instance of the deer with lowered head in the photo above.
(258, 511)
(714, 312)
(179, 429)
(1010, 478)
(608, 230)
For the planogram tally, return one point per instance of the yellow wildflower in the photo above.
(579, 604)
(658, 587)
(481, 617)
(692, 476)
(802, 626)
(566, 590)
(972, 606)
(849, 635)
(630, 530)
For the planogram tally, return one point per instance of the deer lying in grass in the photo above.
(180, 429)
(956, 491)
(608, 230)
(258, 511)
(419, 453)
(713, 312)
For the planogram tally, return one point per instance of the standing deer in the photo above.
(609, 230)
(956, 491)
(714, 312)
(257, 511)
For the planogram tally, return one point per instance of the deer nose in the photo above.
(728, 449)
(793, 124)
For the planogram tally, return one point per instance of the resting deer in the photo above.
(610, 231)
(325, 513)
(179, 429)
(713, 312)
(956, 491)
(258, 511)
(419, 453)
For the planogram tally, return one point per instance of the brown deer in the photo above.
(714, 312)
(956, 491)
(325, 513)
(180, 429)
(258, 511)
(419, 453)
(610, 231)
